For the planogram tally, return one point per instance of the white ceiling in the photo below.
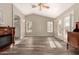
(55, 9)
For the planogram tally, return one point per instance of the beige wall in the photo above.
(39, 25)
(74, 8)
(6, 10)
(22, 21)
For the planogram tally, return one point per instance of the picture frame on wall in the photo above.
(1, 18)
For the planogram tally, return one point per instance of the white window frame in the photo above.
(28, 26)
(60, 27)
(50, 26)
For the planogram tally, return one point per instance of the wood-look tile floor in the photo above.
(39, 46)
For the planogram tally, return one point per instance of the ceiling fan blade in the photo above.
(33, 6)
(45, 6)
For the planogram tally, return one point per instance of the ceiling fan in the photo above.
(41, 5)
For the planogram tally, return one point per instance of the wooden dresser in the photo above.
(6, 37)
(73, 40)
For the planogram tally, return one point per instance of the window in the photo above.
(59, 27)
(49, 26)
(67, 23)
(66, 27)
(29, 26)
(72, 20)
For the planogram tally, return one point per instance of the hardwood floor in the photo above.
(39, 46)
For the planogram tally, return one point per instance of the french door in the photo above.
(65, 25)
(68, 25)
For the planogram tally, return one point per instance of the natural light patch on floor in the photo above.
(54, 43)
(51, 43)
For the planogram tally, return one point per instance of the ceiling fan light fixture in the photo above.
(41, 6)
